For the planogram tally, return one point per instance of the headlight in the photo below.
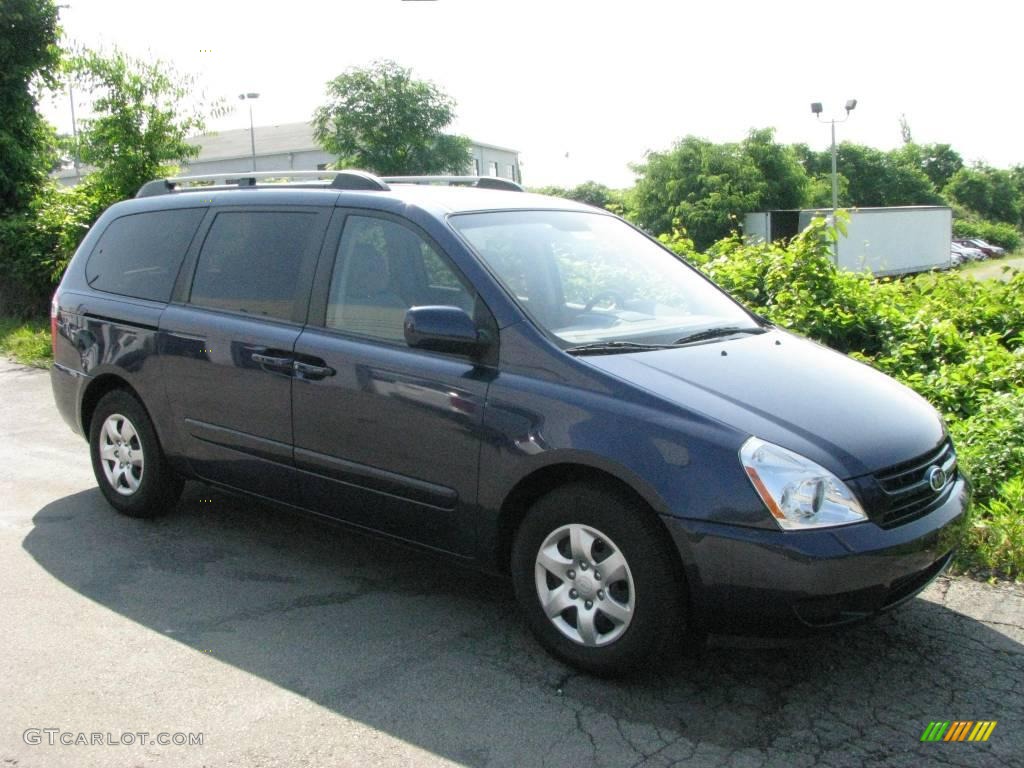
(798, 492)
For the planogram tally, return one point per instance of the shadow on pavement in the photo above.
(436, 655)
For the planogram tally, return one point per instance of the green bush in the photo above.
(995, 540)
(993, 232)
(35, 248)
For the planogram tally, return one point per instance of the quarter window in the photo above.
(250, 262)
(140, 255)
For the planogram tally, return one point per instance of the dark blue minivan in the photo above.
(524, 383)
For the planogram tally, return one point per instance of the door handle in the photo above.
(309, 371)
(271, 361)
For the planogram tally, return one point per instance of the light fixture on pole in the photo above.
(816, 109)
(252, 133)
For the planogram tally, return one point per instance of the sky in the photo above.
(583, 89)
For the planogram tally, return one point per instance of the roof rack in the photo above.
(347, 179)
(482, 182)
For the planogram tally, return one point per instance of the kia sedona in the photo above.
(528, 385)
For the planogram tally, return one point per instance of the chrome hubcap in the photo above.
(121, 454)
(584, 585)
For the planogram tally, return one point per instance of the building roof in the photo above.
(270, 140)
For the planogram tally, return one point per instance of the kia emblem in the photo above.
(936, 478)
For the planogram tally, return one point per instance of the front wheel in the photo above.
(127, 459)
(595, 579)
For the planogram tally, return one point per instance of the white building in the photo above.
(292, 147)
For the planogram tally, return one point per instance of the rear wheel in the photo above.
(129, 464)
(595, 579)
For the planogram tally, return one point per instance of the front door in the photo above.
(388, 437)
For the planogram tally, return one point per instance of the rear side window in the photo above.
(250, 262)
(140, 255)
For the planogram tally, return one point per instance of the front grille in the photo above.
(907, 488)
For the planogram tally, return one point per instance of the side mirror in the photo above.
(443, 329)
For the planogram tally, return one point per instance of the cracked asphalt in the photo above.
(285, 642)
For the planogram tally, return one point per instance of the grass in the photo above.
(26, 341)
(994, 269)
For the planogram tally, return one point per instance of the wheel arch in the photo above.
(94, 392)
(545, 479)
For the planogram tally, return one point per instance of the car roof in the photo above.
(453, 199)
(437, 200)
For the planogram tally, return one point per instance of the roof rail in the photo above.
(483, 182)
(347, 179)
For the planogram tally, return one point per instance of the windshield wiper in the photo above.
(613, 347)
(714, 333)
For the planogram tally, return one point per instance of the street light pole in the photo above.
(835, 175)
(252, 132)
(816, 109)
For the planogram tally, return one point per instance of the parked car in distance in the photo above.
(968, 252)
(989, 250)
(956, 258)
(521, 383)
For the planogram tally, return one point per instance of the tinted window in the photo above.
(382, 270)
(250, 262)
(139, 255)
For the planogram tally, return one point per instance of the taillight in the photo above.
(54, 311)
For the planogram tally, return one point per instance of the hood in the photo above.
(842, 414)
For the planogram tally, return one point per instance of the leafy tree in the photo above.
(138, 126)
(991, 192)
(1017, 175)
(589, 192)
(784, 182)
(940, 162)
(876, 178)
(905, 132)
(382, 119)
(28, 54)
(697, 183)
(706, 186)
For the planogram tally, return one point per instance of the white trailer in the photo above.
(896, 240)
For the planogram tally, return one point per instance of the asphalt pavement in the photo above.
(278, 641)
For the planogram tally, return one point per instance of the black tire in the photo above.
(657, 619)
(156, 486)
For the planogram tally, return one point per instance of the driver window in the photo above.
(381, 270)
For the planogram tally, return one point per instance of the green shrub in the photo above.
(995, 540)
(990, 443)
(35, 248)
(993, 232)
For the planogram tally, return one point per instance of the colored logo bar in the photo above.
(959, 730)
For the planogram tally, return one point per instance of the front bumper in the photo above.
(764, 582)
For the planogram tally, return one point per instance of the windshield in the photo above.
(588, 278)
